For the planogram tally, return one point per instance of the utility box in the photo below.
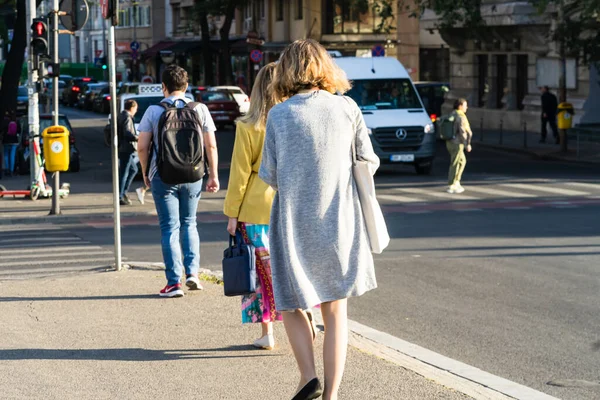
(56, 148)
(565, 115)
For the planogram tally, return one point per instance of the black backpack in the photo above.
(180, 153)
(446, 127)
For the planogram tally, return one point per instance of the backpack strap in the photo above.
(165, 106)
(192, 105)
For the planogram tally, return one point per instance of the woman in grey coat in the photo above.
(320, 252)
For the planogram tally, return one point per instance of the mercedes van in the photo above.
(400, 128)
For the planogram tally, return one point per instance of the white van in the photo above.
(401, 130)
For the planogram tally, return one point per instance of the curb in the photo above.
(442, 370)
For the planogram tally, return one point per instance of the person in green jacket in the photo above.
(457, 146)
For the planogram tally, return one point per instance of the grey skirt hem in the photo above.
(311, 304)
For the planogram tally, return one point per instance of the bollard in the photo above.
(501, 132)
(481, 130)
(524, 135)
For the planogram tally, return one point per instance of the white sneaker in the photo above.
(451, 189)
(140, 194)
(459, 189)
(266, 342)
(193, 283)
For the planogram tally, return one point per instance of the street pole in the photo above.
(55, 210)
(134, 62)
(562, 83)
(104, 46)
(33, 117)
(115, 155)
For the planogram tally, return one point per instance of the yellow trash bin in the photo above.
(565, 115)
(56, 148)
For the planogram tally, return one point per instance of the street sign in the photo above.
(98, 62)
(378, 51)
(76, 14)
(98, 53)
(256, 56)
(135, 46)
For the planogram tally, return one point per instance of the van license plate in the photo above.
(402, 157)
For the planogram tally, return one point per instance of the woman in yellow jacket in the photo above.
(248, 205)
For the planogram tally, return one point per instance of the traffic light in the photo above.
(103, 62)
(39, 37)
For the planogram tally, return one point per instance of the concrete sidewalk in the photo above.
(108, 335)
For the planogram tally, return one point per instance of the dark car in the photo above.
(102, 101)
(222, 106)
(22, 101)
(92, 90)
(23, 153)
(71, 94)
(433, 95)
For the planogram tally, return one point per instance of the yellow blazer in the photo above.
(248, 198)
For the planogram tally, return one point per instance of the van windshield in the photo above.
(384, 94)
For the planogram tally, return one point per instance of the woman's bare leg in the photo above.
(300, 336)
(267, 328)
(335, 347)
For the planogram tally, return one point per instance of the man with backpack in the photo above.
(456, 131)
(176, 138)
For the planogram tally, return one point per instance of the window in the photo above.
(279, 10)
(359, 16)
(384, 94)
(261, 6)
(299, 9)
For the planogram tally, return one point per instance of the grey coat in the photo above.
(318, 242)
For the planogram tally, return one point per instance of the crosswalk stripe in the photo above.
(28, 250)
(40, 239)
(546, 189)
(496, 192)
(58, 255)
(33, 245)
(29, 233)
(53, 262)
(432, 193)
(595, 186)
(398, 199)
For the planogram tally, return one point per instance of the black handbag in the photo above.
(239, 267)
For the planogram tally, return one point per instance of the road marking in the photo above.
(54, 249)
(565, 206)
(52, 262)
(72, 241)
(432, 192)
(398, 199)
(40, 239)
(37, 234)
(467, 209)
(496, 192)
(546, 189)
(584, 185)
(439, 368)
(54, 255)
(517, 208)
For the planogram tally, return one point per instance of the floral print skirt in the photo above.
(260, 306)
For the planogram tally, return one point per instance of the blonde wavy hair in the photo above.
(261, 98)
(305, 64)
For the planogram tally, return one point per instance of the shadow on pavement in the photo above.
(125, 354)
(84, 298)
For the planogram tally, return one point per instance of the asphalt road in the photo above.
(505, 277)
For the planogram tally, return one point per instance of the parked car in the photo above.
(240, 97)
(433, 95)
(222, 106)
(73, 91)
(91, 91)
(23, 153)
(47, 92)
(22, 101)
(102, 101)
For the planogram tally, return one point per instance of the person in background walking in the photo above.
(320, 251)
(128, 157)
(11, 142)
(549, 109)
(176, 204)
(457, 146)
(248, 205)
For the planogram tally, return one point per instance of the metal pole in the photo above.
(525, 135)
(33, 117)
(134, 62)
(501, 131)
(55, 210)
(104, 47)
(481, 130)
(115, 154)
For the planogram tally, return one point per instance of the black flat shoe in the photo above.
(312, 390)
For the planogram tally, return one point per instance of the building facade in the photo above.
(500, 72)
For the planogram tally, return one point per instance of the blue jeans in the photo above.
(10, 152)
(176, 206)
(129, 169)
